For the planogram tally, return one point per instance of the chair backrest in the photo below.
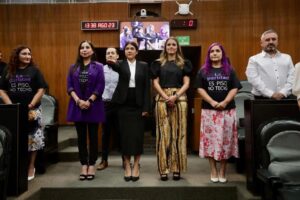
(239, 102)
(284, 150)
(270, 129)
(49, 107)
(5, 147)
(285, 146)
(246, 86)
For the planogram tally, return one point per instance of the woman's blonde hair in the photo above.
(179, 59)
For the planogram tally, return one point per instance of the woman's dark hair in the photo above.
(79, 59)
(224, 61)
(14, 61)
(133, 43)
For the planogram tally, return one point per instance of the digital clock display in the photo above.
(100, 25)
(184, 23)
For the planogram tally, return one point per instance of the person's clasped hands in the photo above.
(219, 105)
(277, 96)
(84, 105)
(171, 101)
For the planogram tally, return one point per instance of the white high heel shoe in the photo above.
(222, 180)
(214, 180)
(29, 178)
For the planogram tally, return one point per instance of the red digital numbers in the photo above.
(111, 25)
(86, 25)
(100, 25)
(191, 23)
(184, 23)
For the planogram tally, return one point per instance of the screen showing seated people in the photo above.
(150, 35)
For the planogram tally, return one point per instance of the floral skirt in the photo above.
(218, 134)
(36, 133)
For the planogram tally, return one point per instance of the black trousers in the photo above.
(87, 156)
(110, 126)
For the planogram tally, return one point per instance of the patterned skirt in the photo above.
(36, 133)
(171, 136)
(218, 134)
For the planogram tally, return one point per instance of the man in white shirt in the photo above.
(111, 124)
(271, 73)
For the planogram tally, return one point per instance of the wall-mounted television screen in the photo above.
(150, 35)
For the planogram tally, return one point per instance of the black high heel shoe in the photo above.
(136, 178)
(176, 176)
(127, 178)
(91, 173)
(164, 177)
(82, 177)
(90, 177)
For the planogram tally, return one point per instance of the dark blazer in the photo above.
(142, 84)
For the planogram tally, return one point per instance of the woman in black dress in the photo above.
(133, 97)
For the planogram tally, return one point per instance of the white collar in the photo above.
(265, 54)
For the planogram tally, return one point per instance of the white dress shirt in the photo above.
(132, 67)
(111, 80)
(296, 85)
(270, 74)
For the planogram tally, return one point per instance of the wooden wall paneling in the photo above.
(291, 25)
(238, 30)
(4, 21)
(135, 8)
(109, 11)
(288, 26)
(53, 31)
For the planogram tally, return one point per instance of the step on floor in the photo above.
(63, 176)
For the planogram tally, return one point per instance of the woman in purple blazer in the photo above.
(86, 109)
